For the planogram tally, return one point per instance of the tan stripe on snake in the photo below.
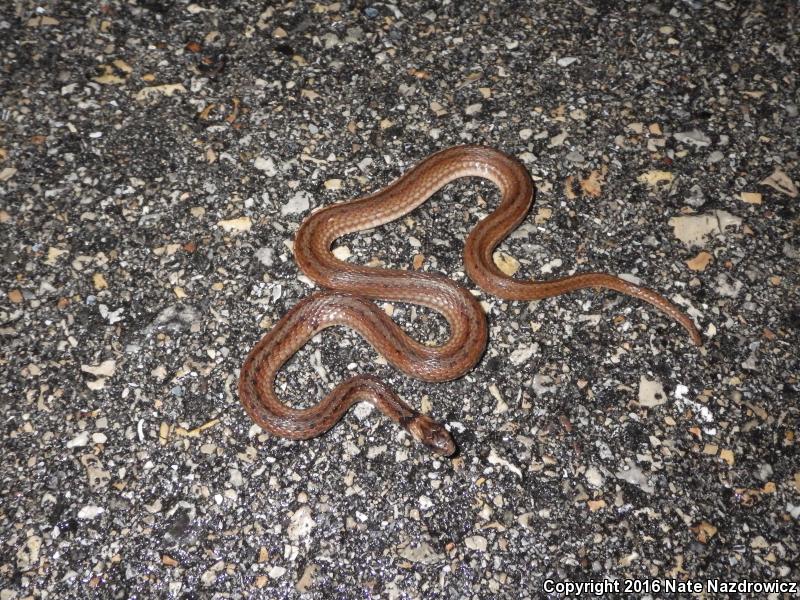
(353, 287)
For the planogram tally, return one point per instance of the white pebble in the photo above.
(79, 441)
(90, 512)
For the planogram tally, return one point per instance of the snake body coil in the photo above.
(353, 287)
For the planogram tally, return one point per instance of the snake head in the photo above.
(431, 434)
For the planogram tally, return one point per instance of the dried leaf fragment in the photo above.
(168, 561)
(310, 94)
(53, 253)
(99, 281)
(751, 197)
(109, 77)
(122, 66)
(506, 263)
(592, 185)
(699, 262)
(569, 190)
(167, 89)
(653, 178)
(727, 456)
(693, 230)
(780, 181)
(104, 369)
(704, 531)
(41, 21)
(595, 505)
(542, 215)
(7, 173)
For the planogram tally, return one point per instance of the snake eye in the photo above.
(432, 434)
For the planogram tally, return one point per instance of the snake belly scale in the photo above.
(350, 290)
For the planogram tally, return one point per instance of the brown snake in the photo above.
(353, 287)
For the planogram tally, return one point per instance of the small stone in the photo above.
(265, 164)
(523, 353)
(759, 543)
(496, 459)
(566, 61)
(276, 572)
(265, 256)
(695, 137)
(557, 140)
(421, 552)
(594, 477)
(80, 440)
(301, 523)
(651, 392)
(696, 198)
(236, 478)
(15, 296)
(575, 157)
(298, 203)
(209, 576)
(501, 405)
(728, 286)
(90, 512)
(476, 542)
(342, 252)
(474, 109)
(633, 474)
(525, 134)
(28, 553)
(333, 184)
(236, 225)
(438, 109)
